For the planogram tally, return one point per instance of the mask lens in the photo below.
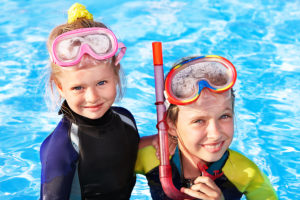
(99, 43)
(68, 49)
(185, 79)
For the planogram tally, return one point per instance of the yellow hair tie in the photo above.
(78, 11)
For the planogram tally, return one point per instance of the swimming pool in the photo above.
(261, 38)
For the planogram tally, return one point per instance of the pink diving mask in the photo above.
(100, 43)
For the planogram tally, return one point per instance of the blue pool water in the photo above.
(261, 38)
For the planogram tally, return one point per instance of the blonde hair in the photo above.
(55, 69)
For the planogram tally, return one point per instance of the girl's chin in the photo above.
(213, 157)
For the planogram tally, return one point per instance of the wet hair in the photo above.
(79, 23)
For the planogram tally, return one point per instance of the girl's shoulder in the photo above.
(247, 177)
(60, 131)
(239, 166)
(58, 141)
(238, 158)
(57, 147)
(125, 115)
(122, 111)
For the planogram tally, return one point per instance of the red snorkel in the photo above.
(165, 171)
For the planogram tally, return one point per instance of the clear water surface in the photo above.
(261, 38)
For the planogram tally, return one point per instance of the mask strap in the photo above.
(121, 53)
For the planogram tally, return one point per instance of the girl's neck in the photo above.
(189, 165)
(81, 120)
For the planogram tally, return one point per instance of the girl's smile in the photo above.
(213, 147)
(93, 108)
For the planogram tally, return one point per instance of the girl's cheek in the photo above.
(195, 135)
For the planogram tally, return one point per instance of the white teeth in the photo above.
(213, 146)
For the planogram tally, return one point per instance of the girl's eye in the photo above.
(226, 116)
(102, 82)
(199, 121)
(77, 88)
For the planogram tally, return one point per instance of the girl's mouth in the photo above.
(93, 108)
(213, 147)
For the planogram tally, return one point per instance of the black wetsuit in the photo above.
(90, 159)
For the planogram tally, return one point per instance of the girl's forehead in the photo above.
(206, 94)
(88, 64)
(87, 73)
(210, 101)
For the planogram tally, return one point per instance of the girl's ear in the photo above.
(172, 130)
(59, 88)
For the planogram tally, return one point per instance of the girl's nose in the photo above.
(213, 129)
(91, 95)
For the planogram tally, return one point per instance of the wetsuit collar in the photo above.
(81, 120)
(212, 167)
